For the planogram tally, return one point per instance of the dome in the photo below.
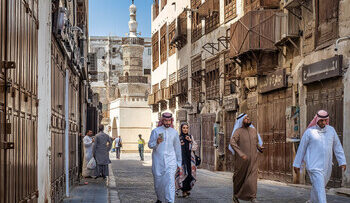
(132, 9)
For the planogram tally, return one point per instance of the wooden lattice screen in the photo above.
(196, 77)
(212, 78)
(171, 36)
(163, 43)
(230, 10)
(155, 50)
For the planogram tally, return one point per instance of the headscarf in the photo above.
(239, 124)
(166, 116)
(321, 114)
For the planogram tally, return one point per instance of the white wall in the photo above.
(44, 95)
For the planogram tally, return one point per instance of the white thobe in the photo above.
(316, 150)
(88, 144)
(166, 157)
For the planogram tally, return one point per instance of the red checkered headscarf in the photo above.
(166, 116)
(321, 114)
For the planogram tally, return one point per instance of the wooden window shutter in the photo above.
(326, 20)
(163, 43)
(155, 50)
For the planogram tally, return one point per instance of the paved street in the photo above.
(134, 183)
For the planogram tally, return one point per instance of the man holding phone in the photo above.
(166, 158)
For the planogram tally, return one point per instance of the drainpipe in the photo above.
(66, 140)
(340, 39)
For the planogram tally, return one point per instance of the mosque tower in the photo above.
(130, 112)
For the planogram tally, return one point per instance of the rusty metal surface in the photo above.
(18, 101)
(276, 161)
(328, 96)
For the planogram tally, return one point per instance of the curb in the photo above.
(112, 187)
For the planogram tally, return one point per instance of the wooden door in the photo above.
(328, 96)
(276, 161)
(208, 149)
(18, 100)
(57, 122)
(229, 124)
(195, 130)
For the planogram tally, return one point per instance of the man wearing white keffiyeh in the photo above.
(244, 144)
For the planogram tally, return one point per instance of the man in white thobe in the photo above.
(88, 142)
(316, 150)
(166, 158)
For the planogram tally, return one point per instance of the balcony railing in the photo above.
(151, 99)
(133, 40)
(133, 79)
(254, 31)
(213, 91)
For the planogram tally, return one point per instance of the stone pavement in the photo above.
(94, 191)
(134, 183)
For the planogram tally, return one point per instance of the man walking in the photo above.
(244, 144)
(166, 158)
(102, 146)
(141, 143)
(316, 150)
(88, 142)
(117, 144)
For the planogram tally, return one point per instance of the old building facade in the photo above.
(275, 60)
(106, 56)
(44, 97)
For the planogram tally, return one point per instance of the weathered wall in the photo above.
(44, 95)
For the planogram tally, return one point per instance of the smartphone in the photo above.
(161, 135)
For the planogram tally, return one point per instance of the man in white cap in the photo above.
(166, 158)
(316, 150)
(244, 144)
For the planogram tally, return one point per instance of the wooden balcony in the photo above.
(289, 28)
(151, 99)
(213, 91)
(155, 9)
(254, 31)
(166, 93)
(159, 96)
(251, 5)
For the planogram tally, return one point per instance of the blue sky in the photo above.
(111, 17)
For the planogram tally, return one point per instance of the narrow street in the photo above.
(134, 183)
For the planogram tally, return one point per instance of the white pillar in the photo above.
(66, 140)
(346, 129)
(44, 96)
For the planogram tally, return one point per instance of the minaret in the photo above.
(132, 21)
(133, 47)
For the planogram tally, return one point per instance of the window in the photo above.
(155, 51)
(230, 10)
(212, 78)
(114, 50)
(103, 57)
(163, 44)
(230, 73)
(171, 36)
(149, 51)
(113, 67)
(212, 21)
(196, 77)
(163, 4)
(155, 9)
(196, 24)
(326, 20)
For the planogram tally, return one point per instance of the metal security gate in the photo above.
(18, 100)
(328, 96)
(276, 161)
(229, 123)
(208, 156)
